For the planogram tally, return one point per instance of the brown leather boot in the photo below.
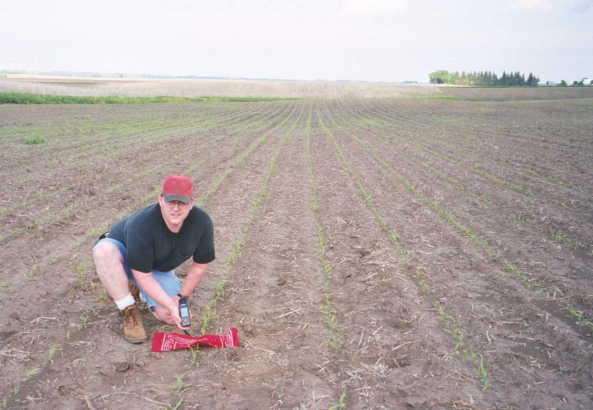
(134, 291)
(133, 327)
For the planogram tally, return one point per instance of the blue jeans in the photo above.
(168, 281)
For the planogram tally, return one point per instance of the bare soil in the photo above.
(373, 254)
(126, 87)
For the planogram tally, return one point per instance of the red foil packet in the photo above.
(167, 341)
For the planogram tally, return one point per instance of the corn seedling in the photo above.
(34, 140)
(331, 322)
(53, 350)
(340, 404)
(84, 321)
(177, 405)
(483, 373)
(194, 356)
(580, 318)
(29, 374)
(178, 384)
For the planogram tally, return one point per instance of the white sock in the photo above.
(125, 302)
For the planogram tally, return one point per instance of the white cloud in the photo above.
(372, 7)
(579, 6)
(534, 4)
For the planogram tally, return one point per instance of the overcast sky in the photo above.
(373, 40)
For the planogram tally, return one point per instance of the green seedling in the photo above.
(194, 356)
(53, 350)
(80, 272)
(84, 321)
(177, 405)
(178, 385)
(331, 322)
(34, 140)
(340, 404)
(581, 320)
(31, 373)
(483, 373)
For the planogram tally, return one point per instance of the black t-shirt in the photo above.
(152, 246)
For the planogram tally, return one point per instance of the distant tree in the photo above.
(530, 80)
(439, 77)
(576, 83)
(535, 81)
(483, 78)
(591, 82)
(563, 83)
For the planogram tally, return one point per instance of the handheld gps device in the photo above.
(184, 312)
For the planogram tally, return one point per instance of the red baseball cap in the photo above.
(178, 188)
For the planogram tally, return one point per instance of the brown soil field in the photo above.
(147, 87)
(518, 93)
(373, 254)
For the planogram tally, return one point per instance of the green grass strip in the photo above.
(26, 98)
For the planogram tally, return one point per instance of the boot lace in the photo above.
(130, 317)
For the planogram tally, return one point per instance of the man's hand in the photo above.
(170, 313)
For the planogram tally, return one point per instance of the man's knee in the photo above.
(105, 252)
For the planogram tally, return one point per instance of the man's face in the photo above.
(174, 213)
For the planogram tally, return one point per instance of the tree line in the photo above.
(484, 78)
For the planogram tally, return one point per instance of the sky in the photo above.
(369, 40)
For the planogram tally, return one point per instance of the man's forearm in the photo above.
(193, 278)
(153, 289)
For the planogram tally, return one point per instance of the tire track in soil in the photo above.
(70, 307)
(532, 356)
(395, 354)
(531, 254)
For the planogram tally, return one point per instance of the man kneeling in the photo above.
(136, 259)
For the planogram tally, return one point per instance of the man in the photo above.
(137, 257)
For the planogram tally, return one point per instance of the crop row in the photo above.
(174, 142)
(506, 266)
(335, 335)
(536, 284)
(239, 243)
(450, 323)
(483, 145)
(235, 166)
(49, 214)
(92, 232)
(120, 137)
(485, 197)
